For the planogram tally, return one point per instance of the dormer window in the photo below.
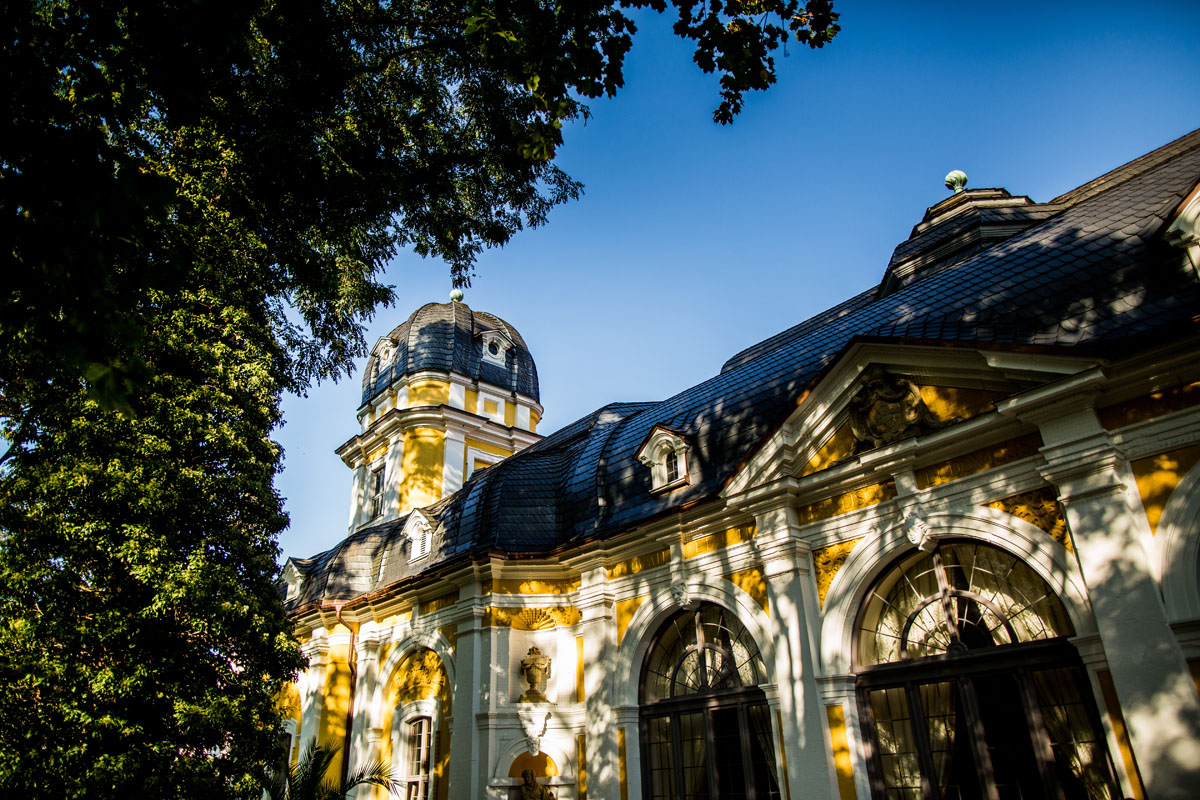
(293, 578)
(665, 453)
(419, 533)
(495, 347)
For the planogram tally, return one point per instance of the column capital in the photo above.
(1089, 467)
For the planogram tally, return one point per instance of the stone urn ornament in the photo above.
(535, 669)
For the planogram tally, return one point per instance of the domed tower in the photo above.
(449, 391)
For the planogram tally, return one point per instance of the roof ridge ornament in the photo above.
(955, 180)
(456, 295)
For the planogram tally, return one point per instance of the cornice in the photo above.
(399, 420)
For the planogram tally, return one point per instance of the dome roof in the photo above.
(450, 337)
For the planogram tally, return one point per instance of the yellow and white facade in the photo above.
(908, 566)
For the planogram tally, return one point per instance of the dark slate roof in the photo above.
(446, 337)
(1094, 275)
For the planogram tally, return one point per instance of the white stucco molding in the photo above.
(627, 670)
(1179, 531)
(872, 556)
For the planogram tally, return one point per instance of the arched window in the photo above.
(705, 726)
(968, 686)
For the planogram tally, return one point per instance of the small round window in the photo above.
(493, 348)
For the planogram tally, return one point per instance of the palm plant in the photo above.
(305, 780)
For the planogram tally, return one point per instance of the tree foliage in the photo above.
(197, 201)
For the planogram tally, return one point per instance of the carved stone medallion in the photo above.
(886, 409)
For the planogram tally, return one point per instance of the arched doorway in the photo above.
(705, 725)
(968, 687)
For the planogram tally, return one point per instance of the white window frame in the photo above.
(377, 486)
(475, 454)
(481, 406)
(403, 719)
(502, 344)
(654, 452)
(419, 531)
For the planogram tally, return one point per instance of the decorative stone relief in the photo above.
(845, 503)
(533, 724)
(535, 669)
(886, 409)
(681, 595)
(1039, 507)
(827, 561)
(917, 530)
(420, 676)
(422, 632)
(533, 619)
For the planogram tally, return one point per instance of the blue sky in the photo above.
(693, 241)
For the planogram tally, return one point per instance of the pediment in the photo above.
(877, 397)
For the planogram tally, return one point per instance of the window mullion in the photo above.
(947, 602)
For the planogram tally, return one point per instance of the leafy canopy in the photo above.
(197, 200)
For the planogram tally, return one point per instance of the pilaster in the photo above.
(312, 683)
(1112, 541)
(365, 732)
(468, 779)
(598, 627)
(787, 567)
(454, 454)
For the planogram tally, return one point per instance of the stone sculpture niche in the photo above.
(530, 789)
(535, 669)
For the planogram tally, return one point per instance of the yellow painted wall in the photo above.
(428, 393)
(510, 414)
(533, 421)
(625, 611)
(840, 746)
(471, 401)
(718, 541)
(543, 766)
(422, 468)
(752, 582)
(1157, 477)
